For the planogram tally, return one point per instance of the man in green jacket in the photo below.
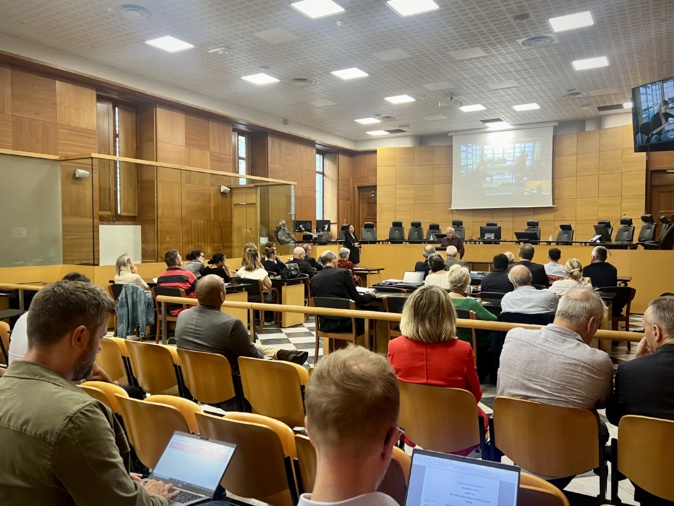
(59, 445)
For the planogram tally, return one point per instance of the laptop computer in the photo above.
(194, 465)
(440, 478)
(412, 280)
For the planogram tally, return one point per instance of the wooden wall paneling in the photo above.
(34, 136)
(634, 162)
(6, 131)
(33, 96)
(609, 207)
(610, 185)
(104, 132)
(331, 187)
(76, 105)
(220, 137)
(197, 158)
(171, 153)
(79, 198)
(386, 157)
(565, 166)
(611, 138)
(5, 90)
(147, 175)
(610, 162)
(345, 209)
(405, 157)
(587, 164)
(128, 147)
(564, 145)
(74, 140)
(259, 152)
(170, 127)
(587, 186)
(198, 133)
(588, 142)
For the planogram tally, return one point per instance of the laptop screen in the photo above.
(440, 479)
(413, 277)
(194, 463)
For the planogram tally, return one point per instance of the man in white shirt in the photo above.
(352, 405)
(526, 299)
(553, 267)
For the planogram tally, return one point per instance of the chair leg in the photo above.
(318, 343)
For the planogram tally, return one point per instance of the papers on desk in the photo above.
(362, 289)
(154, 280)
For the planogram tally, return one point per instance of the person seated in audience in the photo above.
(451, 239)
(573, 280)
(428, 352)
(252, 269)
(451, 258)
(352, 405)
(525, 298)
(206, 328)
(218, 266)
(284, 235)
(59, 445)
(272, 263)
(298, 258)
(553, 267)
(345, 263)
(600, 272)
(497, 280)
(176, 277)
(645, 386)
(556, 365)
(459, 285)
(438, 274)
(246, 247)
(312, 261)
(540, 278)
(127, 273)
(429, 249)
(335, 282)
(195, 262)
(510, 256)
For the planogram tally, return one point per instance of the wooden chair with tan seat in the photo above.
(4, 342)
(305, 464)
(441, 419)
(149, 426)
(114, 360)
(155, 367)
(115, 291)
(208, 377)
(261, 466)
(334, 303)
(466, 314)
(535, 491)
(549, 440)
(168, 317)
(186, 407)
(643, 453)
(275, 388)
(105, 392)
(394, 304)
(255, 292)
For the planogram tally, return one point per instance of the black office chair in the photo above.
(532, 226)
(416, 233)
(664, 234)
(336, 327)
(396, 234)
(609, 228)
(368, 234)
(433, 228)
(625, 234)
(342, 232)
(394, 304)
(459, 229)
(645, 131)
(648, 229)
(565, 234)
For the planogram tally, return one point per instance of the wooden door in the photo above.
(662, 194)
(367, 206)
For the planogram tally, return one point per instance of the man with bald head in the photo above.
(299, 255)
(451, 239)
(206, 328)
(540, 278)
(525, 298)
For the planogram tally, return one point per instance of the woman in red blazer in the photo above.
(428, 352)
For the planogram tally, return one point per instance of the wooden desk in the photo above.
(21, 288)
(368, 275)
(292, 294)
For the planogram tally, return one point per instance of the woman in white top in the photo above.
(438, 275)
(252, 269)
(573, 280)
(127, 274)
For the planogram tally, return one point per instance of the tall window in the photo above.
(320, 185)
(241, 143)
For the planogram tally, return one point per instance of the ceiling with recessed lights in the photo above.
(466, 52)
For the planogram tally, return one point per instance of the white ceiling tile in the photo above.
(442, 85)
(467, 54)
(277, 35)
(392, 54)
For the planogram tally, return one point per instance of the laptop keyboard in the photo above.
(184, 497)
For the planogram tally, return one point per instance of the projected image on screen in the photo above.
(653, 116)
(503, 169)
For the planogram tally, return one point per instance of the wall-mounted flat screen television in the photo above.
(653, 116)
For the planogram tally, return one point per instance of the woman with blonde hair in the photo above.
(127, 274)
(252, 269)
(573, 279)
(428, 352)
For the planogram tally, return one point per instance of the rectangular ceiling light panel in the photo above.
(170, 44)
(411, 7)
(571, 21)
(317, 8)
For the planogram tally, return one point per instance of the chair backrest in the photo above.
(333, 303)
(535, 491)
(342, 232)
(532, 226)
(150, 427)
(565, 234)
(438, 418)
(466, 314)
(492, 296)
(116, 290)
(416, 233)
(166, 291)
(396, 234)
(394, 304)
(644, 448)
(111, 360)
(253, 287)
(459, 229)
(208, 376)
(368, 233)
(544, 439)
(305, 464)
(105, 392)
(258, 467)
(626, 231)
(397, 476)
(4, 340)
(648, 229)
(274, 388)
(667, 239)
(433, 228)
(186, 407)
(623, 296)
(153, 367)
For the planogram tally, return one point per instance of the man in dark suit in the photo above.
(429, 249)
(497, 280)
(334, 282)
(299, 256)
(645, 386)
(600, 272)
(537, 270)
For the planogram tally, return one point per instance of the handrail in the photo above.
(613, 335)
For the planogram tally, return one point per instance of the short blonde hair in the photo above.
(459, 278)
(429, 316)
(352, 401)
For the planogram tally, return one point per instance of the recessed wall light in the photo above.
(367, 121)
(590, 63)
(472, 108)
(352, 73)
(571, 21)
(377, 132)
(628, 105)
(411, 7)
(170, 44)
(261, 78)
(400, 99)
(317, 8)
(526, 107)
